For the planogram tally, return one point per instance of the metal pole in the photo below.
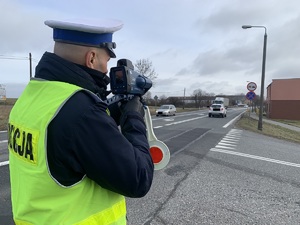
(183, 105)
(262, 75)
(30, 66)
(262, 83)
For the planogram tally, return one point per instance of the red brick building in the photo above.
(283, 99)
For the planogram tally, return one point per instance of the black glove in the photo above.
(133, 105)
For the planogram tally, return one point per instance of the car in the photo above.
(217, 110)
(166, 110)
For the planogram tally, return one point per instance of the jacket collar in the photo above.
(54, 68)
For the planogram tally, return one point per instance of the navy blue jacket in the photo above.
(83, 140)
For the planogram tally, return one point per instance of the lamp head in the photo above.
(246, 26)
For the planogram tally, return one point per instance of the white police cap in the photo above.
(95, 33)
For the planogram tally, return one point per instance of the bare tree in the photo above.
(174, 101)
(162, 99)
(197, 95)
(202, 98)
(145, 67)
(147, 97)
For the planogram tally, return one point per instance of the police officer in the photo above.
(69, 162)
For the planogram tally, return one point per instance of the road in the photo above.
(217, 174)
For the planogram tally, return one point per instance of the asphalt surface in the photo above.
(246, 178)
(218, 174)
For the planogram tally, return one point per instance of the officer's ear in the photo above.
(90, 59)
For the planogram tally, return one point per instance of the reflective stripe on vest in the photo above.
(36, 197)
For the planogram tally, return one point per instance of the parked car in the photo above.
(166, 110)
(217, 110)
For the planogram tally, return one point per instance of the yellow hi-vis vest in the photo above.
(36, 197)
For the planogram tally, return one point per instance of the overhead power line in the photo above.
(20, 58)
(13, 57)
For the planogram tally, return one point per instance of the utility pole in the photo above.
(183, 98)
(30, 66)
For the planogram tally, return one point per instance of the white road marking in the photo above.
(235, 131)
(255, 157)
(182, 121)
(226, 143)
(4, 141)
(233, 135)
(231, 121)
(4, 163)
(169, 119)
(230, 142)
(230, 139)
(233, 138)
(222, 146)
(178, 115)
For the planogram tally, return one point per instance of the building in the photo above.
(283, 99)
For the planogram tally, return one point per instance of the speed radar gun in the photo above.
(126, 83)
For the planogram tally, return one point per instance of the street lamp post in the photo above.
(262, 74)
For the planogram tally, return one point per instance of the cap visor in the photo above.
(111, 53)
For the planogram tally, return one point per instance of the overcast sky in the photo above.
(192, 44)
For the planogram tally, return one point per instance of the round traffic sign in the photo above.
(250, 95)
(251, 86)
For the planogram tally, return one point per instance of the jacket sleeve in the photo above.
(117, 161)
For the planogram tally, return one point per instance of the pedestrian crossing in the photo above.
(230, 140)
(229, 143)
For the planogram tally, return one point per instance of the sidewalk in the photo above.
(255, 116)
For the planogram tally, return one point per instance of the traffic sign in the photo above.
(250, 95)
(251, 86)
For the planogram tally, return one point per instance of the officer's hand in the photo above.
(133, 105)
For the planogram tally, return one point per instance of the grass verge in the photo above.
(271, 130)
